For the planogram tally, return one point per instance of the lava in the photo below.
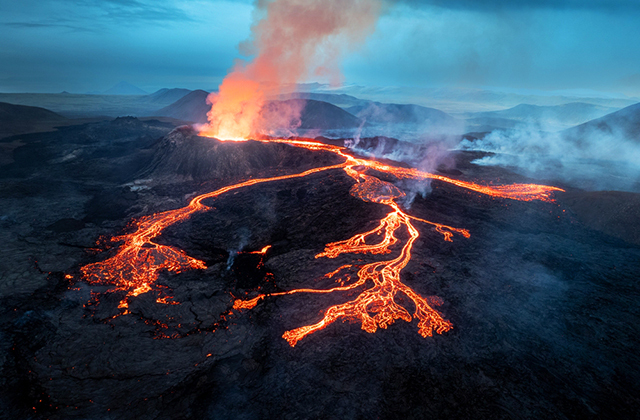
(263, 251)
(138, 261)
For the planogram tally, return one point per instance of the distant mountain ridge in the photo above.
(167, 96)
(463, 100)
(385, 113)
(549, 117)
(124, 88)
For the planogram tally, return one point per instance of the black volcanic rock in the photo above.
(615, 213)
(182, 154)
(544, 309)
(191, 107)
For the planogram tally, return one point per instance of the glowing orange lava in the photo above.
(136, 265)
(139, 260)
(263, 251)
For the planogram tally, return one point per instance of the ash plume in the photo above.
(291, 40)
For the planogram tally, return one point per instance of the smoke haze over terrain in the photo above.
(603, 154)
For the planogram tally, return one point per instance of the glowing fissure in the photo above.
(138, 261)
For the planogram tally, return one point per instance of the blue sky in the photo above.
(89, 45)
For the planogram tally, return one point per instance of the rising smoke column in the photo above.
(292, 40)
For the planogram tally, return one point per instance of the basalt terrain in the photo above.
(542, 297)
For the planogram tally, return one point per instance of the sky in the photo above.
(89, 45)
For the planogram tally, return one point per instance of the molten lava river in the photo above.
(135, 267)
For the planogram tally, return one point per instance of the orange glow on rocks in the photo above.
(136, 266)
(263, 251)
(139, 260)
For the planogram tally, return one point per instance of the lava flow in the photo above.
(135, 267)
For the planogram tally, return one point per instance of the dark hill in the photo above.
(624, 123)
(191, 107)
(19, 119)
(314, 114)
(168, 96)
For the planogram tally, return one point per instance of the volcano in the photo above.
(532, 292)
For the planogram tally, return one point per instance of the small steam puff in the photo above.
(243, 239)
(593, 160)
(430, 157)
(292, 40)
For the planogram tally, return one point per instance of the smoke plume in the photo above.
(292, 40)
(431, 155)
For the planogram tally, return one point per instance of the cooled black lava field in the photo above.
(545, 308)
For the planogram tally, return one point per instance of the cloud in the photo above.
(124, 10)
(89, 14)
(30, 25)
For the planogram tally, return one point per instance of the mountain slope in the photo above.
(168, 96)
(339, 99)
(382, 113)
(191, 107)
(19, 119)
(418, 119)
(314, 114)
(624, 123)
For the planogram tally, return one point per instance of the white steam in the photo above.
(591, 158)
